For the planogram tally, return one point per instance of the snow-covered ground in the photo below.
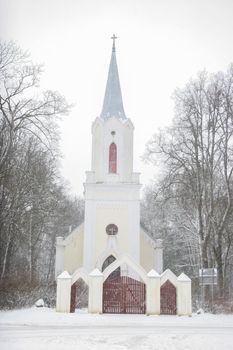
(43, 328)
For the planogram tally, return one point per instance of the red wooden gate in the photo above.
(124, 295)
(168, 299)
(73, 298)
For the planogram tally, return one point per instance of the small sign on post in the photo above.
(208, 276)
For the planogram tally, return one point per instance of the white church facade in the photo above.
(110, 251)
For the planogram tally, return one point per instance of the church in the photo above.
(120, 262)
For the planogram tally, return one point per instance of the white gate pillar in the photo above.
(95, 300)
(184, 297)
(63, 292)
(153, 293)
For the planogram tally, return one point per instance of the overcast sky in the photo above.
(160, 45)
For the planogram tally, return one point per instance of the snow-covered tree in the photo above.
(34, 206)
(196, 154)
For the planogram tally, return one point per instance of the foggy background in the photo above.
(160, 45)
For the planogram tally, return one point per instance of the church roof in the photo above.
(113, 104)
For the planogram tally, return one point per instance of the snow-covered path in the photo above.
(38, 329)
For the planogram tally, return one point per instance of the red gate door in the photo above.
(124, 295)
(168, 299)
(113, 296)
(135, 296)
(73, 298)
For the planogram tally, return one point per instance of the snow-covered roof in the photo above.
(148, 237)
(73, 235)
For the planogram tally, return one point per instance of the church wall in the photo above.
(97, 150)
(89, 230)
(106, 204)
(146, 253)
(106, 214)
(73, 255)
(134, 230)
(112, 192)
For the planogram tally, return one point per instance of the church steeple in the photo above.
(113, 104)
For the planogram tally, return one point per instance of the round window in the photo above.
(111, 229)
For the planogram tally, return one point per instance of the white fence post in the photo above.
(184, 297)
(153, 293)
(95, 300)
(63, 292)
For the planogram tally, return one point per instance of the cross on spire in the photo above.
(114, 37)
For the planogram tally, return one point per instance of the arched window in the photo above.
(106, 263)
(112, 158)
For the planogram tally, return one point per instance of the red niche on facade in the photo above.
(113, 158)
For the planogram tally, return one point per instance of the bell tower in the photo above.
(111, 187)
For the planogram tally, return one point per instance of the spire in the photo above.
(113, 104)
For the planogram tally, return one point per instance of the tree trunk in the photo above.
(6, 254)
(30, 247)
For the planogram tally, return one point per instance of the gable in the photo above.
(74, 234)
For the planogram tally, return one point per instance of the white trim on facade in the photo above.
(80, 273)
(125, 259)
(111, 249)
(168, 275)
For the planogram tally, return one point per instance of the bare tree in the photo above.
(197, 155)
(163, 215)
(20, 106)
(34, 205)
(28, 157)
